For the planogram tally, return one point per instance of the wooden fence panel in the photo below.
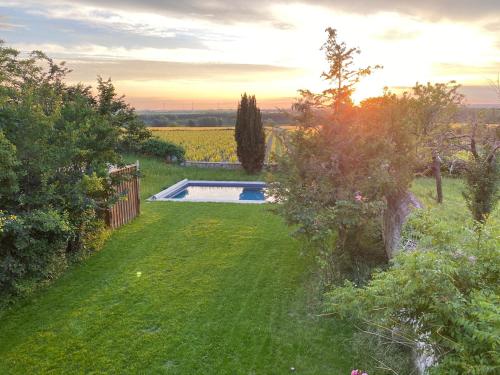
(129, 205)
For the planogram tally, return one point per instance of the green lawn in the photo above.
(187, 288)
(190, 288)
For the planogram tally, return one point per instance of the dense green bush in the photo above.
(8, 161)
(32, 248)
(133, 132)
(56, 145)
(163, 149)
(482, 177)
(445, 296)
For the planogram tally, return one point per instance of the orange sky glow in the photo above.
(168, 55)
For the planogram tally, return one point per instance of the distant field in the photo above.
(189, 128)
(202, 144)
(206, 143)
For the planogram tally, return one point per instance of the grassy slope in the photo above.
(221, 289)
(453, 215)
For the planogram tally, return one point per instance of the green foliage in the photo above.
(482, 177)
(8, 162)
(249, 135)
(343, 165)
(163, 149)
(433, 109)
(122, 116)
(56, 145)
(444, 295)
(32, 248)
(335, 178)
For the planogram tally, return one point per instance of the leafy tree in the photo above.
(341, 74)
(249, 135)
(344, 168)
(433, 109)
(122, 115)
(337, 181)
(56, 145)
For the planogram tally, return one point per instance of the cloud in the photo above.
(447, 69)
(6, 25)
(220, 11)
(429, 9)
(142, 70)
(70, 32)
(474, 94)
(396, 34)
(480, 94)
(493, 26)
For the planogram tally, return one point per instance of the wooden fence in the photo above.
(129, 205)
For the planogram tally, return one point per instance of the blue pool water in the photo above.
(226, 193)
(215, 191)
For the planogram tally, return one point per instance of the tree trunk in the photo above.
(398, 208)
(436, 167)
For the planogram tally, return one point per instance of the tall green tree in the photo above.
(249, 135)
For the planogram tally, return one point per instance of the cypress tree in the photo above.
(249, 135)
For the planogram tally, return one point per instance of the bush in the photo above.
(443, 298)
(8, 177)
(163, 149)
(32, 248)
(482, 179)
(56, 144)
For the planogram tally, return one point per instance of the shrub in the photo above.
(32, 248)
(444, 299)
(56, 145)
(163, 149)
(8, 177)
(482, 179)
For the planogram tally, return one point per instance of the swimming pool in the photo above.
(214, 191)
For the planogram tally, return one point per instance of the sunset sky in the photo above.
(203, 53)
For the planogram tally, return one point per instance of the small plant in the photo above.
(249, 135)
(482, 177)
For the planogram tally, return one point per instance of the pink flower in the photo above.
(364, 373)
(355, 372)
(359, 198)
